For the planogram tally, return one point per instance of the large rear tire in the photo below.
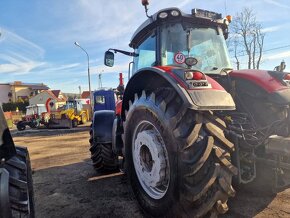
(21, 198)
(102, 155)
(178, 161)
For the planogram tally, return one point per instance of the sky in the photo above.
(37, 37)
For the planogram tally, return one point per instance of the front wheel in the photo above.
(34, 124)
(21, 126)
(178, 162)
(84, 119)
(74, 123)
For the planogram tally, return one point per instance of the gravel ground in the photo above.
(66, 185)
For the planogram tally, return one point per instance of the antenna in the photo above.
(145, 3)
(80, 90)
(226, 7)
(100, 80)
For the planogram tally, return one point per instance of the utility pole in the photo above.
(100, 80)
(89, 76)
(80, 90)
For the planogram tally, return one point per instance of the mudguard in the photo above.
(102, 126)
(213, 97)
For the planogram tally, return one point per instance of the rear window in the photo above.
(100, 99)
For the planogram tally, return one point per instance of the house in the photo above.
(86, 95)
(19, 91)
(53, 99)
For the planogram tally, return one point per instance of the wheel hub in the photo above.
(151, 161)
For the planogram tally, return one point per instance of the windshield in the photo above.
(70, 104)
(31, 111)
(206, 45)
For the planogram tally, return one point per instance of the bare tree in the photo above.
(247, 38)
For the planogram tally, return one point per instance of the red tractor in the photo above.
(33, 117)
(188, 124)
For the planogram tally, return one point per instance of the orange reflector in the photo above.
(229, 18)
(287, 77)
(145, 2)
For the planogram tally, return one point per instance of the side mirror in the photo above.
(109, 59)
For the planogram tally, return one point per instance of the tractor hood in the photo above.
(275, 84)
(262, 78)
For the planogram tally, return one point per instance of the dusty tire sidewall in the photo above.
(146, 110)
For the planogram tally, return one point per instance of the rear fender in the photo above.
(152, 78)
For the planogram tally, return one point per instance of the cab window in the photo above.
(146, 55)
(100, 99)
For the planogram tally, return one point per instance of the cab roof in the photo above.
(198, 16)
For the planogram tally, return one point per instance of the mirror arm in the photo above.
(132, 54)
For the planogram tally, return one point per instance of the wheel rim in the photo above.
(150, 158)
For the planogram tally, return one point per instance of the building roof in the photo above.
(54, 97)
(56, 92)
(85, 94)
(33, 86)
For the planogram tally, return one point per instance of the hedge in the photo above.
(11, 106)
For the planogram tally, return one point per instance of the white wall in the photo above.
(4, 90)
(42, 97)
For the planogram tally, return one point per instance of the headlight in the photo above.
(188, 75)
(174, 13)
(163, 15)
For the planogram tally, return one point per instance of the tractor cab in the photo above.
(74, 104)
(35, 110)
(195, 41)
(104, 99)
(172, 38)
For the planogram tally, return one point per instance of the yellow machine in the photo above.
(70, 116)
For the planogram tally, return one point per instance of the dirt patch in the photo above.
(67, 186)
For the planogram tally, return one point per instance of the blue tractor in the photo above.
(106, 99)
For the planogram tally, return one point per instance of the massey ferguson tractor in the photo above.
(16, 186)
(189, 126)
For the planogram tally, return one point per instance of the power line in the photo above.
(271, 49)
